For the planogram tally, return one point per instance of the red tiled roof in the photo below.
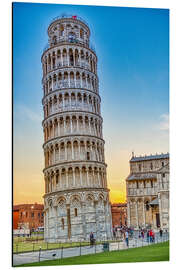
(35, 206)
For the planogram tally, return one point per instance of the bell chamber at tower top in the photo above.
(71, 30)
(69, 48)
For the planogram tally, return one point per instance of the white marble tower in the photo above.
(76, 199)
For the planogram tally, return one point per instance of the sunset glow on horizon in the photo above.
(133, 70)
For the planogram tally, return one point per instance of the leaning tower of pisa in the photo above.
(76, 199)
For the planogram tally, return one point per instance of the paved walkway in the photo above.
(43, 255)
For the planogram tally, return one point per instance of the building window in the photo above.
(72, 37)
(53, 63)
(54, 40)
(137, 184)
(56, 179)
(39, 214)
(144, 184)
(151, 166)
(81, 33)
(151, 183)
(147, 206)
(88, 156)
(61, 30)
(42, 214)
(62, 222)
(75, 212)
(139, 167)
(32, 214)
(26, 214)
(162, 164)
(163, 175)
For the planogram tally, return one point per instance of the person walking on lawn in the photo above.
(127, 238)
(161, 232)
(151, 234)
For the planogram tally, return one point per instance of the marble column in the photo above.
(128, 215)
(144, 216)
(137, 219)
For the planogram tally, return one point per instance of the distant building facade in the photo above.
(148, 192)
(28, 216)
(119, 214)
(15, 217)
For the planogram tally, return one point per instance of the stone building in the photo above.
(76, 198)
(148, 191)
(15, 216)
(119, 214)
(28, 216)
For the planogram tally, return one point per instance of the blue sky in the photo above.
(132, 45)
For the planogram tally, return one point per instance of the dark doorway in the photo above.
(157, 220)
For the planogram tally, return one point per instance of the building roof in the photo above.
(141, 176)
(15, 208)
(150, 157)
(35, 206)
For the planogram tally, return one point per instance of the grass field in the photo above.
(22, 245)
(153, 253)
(19, 247)
(17, 240)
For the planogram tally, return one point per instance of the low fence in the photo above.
(62, 250)
(37, 243)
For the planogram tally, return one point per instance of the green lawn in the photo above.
(153, 253)
(31, 244)
(32, 238)
(19, 247)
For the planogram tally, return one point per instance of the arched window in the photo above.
(75, 212)
(71, 37)
(57, 180)
(54, 39)
(71, 58)
(139, 167)
(147, 206)
(151, 166)
(81, 33)
(58, 53)
(61, 30)
(151, 183)
(62, 223)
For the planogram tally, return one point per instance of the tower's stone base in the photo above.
(73, 215)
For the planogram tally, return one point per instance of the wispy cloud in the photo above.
(24, 112)
(164, 122)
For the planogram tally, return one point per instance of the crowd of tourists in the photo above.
(127, 233)
(119, 231)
